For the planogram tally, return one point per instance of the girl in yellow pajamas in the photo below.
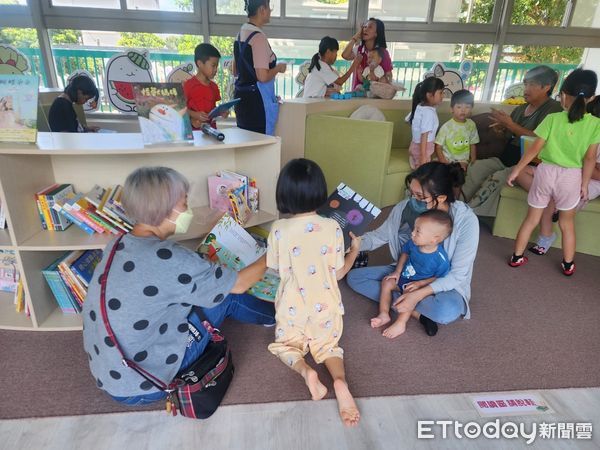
(308, 252)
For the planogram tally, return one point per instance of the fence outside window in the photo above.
(407, 72)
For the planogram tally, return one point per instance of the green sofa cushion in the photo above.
(520, 194)
(398, 161)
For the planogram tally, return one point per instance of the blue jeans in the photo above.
(443, 307)
(241, 307)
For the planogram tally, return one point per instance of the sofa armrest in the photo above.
(354, 151)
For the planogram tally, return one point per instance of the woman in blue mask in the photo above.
(157, 291)
(431, 186)
(255, 68)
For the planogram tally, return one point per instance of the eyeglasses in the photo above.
(420, 197)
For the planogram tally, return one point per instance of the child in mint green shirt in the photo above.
(456, 139)
(566, 142)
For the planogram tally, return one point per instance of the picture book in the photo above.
(18, 108)
(352, 211)
(162, 112)
(9, 274)
(231, 246)
(223, 107)
(218, 188)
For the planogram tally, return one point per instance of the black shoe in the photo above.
(431, 327)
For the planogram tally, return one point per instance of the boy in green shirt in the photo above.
(455, 142)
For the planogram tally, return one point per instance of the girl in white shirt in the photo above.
(322, 79)
(424, 120)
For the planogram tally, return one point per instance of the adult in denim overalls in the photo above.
(255, 86)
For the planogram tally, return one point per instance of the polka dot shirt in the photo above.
(151, 288)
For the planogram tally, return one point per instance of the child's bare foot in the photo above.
(380, 320)
(347, 406)
(316, 388)
(395, 330)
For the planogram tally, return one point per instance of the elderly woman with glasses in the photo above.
(154, 290)
(446, 298)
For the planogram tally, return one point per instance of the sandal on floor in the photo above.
(538, 250)
(516, 261)
(543, 244)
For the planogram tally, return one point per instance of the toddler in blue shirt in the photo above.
(423, 259)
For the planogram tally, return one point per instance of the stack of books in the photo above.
(98, 211)
(69, 277)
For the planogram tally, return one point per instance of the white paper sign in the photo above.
(510, 404)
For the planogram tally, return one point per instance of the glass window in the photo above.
(90, 50)
(162, 5)
(106, 4)
(26, 41)
(586, 14)
(236, 7)
(464, 11)
(415, 11)
(516, 60)
(412, 60)
(548, 13)
(317, 9)
(13, 2)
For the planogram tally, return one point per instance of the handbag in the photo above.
(196, 391)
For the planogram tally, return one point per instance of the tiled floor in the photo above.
(387, 423)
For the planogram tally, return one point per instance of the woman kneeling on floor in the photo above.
(447, 298)
(154, 290)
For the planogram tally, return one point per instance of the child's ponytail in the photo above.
(429, 85)
(582, 85)
(314, 62)
(327, 43)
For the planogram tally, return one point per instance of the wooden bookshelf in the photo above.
(5, 241)
(9, 318)
(106, 159)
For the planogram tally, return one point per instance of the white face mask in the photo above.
(183, 221)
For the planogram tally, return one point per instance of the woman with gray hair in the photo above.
(154, 289)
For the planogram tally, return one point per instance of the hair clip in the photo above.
(581, 93)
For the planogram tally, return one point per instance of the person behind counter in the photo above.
(62, 118)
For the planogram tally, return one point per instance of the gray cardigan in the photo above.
(461, 246)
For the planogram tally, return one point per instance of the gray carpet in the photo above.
(531, 328)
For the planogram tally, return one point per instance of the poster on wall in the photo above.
(181, 73)
(122, 71)
(18, 108)
(454, 80)
(13, 61)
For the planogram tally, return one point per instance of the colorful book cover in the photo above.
(162, 112)
(84, 266)
(351, 210)
(9, 274)
(62, 294)
(218, 188)
(18, 108)
(230, 245)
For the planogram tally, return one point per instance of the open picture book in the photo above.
(350, 210)
(230, 245)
